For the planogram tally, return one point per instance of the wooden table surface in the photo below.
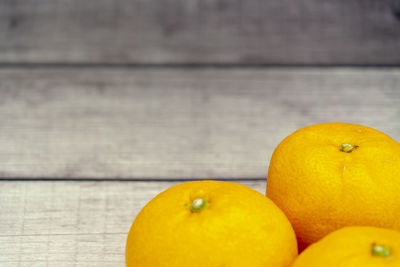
(106, 103)
(83, 150)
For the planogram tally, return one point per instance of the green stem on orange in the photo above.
(380, 251)
(198, 204)
(348, 148)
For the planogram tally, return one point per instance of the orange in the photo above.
(331, 175)
(353, 246)
(210, 224)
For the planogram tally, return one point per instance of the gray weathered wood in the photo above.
(201, 31)
(72, 223)
(160, 123)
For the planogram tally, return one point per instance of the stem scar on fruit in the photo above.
(348, 148)
(198, 205)
(380, 251)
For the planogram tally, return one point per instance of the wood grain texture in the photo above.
(179, 123)
(72, 223)
(200, 31)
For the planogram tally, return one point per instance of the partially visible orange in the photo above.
(210, 224)
(331, 175)
(354, 246)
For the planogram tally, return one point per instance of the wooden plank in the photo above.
(72, 223)
(179, 123)
(197, 31)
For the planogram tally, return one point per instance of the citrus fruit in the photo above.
(210, 223)
(353, 246)
(331, 175)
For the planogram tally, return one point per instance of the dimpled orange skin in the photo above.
(321, 188)
(240, 227)
(352, 247)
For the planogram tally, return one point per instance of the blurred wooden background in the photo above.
(105, 103)
(362, 32)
